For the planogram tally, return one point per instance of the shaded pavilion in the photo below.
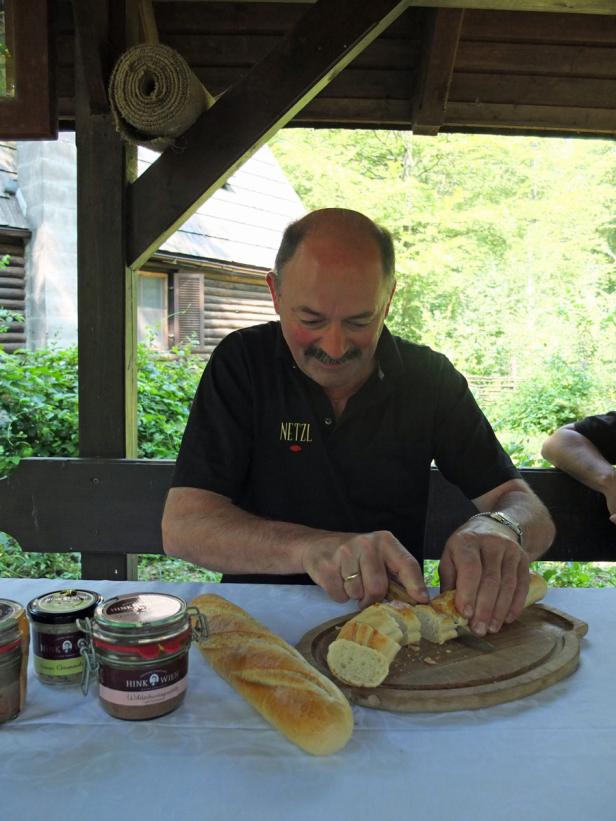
(544, 67)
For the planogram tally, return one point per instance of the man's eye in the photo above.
(362, 324)
(311, 323)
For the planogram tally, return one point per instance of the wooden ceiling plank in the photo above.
(551, 6)
(579, 92)
(324, 41)
(556, 6)
(524, 117)
(527, 27)
(443, 28)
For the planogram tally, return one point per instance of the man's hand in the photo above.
(489, 570)
(610, 497)
(359, 566)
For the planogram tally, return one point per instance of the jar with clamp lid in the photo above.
(56, 639)
(138, 649)
(14, 643)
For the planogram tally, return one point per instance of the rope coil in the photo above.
(154, 95)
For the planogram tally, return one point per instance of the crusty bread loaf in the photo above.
(363, 633)
(445, 603)
(382, 619)
(537, 589)
(357, 664)
(292, 695)
(407, 621)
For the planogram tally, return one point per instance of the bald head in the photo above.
(342, 225)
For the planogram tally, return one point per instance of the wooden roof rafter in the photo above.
(325, 40)
(436, 70)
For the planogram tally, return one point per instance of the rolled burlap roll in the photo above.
(154, 95)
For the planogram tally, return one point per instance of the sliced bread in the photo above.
(363, 633)
(382, 619)
(435, 627)
(357, 664)
(407, 620)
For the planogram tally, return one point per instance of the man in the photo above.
(309, 444)
(586, 450)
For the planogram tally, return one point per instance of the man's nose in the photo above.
(333, 342)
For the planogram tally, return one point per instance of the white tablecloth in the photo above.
(548, 757)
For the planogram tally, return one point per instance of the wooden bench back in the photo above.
(109, 510)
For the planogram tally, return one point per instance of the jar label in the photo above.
(58, 667)
(60, 648)
(135, 687)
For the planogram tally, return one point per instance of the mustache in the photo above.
(318, 353)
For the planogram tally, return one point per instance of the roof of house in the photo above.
(243, 221)
(241, 224)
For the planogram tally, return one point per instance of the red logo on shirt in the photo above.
(295, 448)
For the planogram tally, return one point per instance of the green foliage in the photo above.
(38, 417)
(556, 574)
(549, 398)
(38, 403)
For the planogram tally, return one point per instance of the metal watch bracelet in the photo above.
(498, 516)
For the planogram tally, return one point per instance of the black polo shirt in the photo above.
(601, 430)
(264, 434)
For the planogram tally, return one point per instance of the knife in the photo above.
(466, 636)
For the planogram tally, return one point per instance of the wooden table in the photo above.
(549, 756)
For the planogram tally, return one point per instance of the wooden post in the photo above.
(106, 285)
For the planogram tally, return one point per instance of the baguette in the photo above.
(274, 678)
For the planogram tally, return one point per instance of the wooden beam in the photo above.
(102, 505)
(89, 47)
(430, 96)
(324, 41)
(517, 118)
(105, 284)
(557, 6)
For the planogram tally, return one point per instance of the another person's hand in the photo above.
(359, 566)
(489, 570)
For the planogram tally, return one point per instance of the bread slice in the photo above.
(363, 633)
(435, 627)
(382, 619)
(357, 664)
(407, 620)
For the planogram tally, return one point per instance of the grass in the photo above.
(14, 563)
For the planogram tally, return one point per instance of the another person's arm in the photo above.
(206, 528)
(576, 455)
(485, 562)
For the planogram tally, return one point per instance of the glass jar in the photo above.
(14, 644)
(138, 649)
(56, 639)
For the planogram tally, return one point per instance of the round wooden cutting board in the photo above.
(536, 651)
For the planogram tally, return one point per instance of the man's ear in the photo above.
(391, 296)
(272, 284)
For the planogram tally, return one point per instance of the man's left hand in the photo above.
(489, 570)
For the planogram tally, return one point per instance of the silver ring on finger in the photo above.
(351, 576)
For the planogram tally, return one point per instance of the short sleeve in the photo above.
(217, 443)
(601, 431)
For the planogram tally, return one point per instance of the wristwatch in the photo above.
(504, 519)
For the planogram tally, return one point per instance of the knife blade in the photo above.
(466, 636)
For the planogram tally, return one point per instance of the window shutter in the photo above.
(188, 309)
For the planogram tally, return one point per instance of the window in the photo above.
(152, 310)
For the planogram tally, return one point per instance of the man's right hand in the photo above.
(359, 566)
